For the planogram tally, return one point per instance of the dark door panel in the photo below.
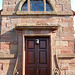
(37, 57)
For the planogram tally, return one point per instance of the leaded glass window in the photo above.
(48, 7)
(36, 5)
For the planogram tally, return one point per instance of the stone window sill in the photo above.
(44, 13)
(26, 13)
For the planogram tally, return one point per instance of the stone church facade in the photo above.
(36, 38)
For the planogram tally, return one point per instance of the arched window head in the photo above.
(48, 7)
(36, 5)
(25, 6)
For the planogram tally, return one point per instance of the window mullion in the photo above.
(28, 5)
(44, 3)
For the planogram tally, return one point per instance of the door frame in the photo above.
(23, 50)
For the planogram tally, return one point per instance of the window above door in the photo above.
(36, 7)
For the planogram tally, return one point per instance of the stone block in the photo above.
(62, 72)
(68, 38)
(5, 45)
(66, 33)
(70, 72)
(61, 43)
(13, 47)
(59, 7)
(64, 66)
(71, 43)
(67, 52)
(66, 29)
(63, 24)
(66, 7)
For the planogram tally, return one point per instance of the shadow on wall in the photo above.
(9, 45)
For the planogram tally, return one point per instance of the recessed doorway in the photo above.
(37, 56)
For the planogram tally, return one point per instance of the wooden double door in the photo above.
(37, 57)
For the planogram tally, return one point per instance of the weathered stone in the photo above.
(61, 43)
(15, 25)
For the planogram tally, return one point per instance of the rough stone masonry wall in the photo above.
(62, 39)
(9, 5)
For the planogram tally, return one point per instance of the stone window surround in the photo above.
(35, 12)
(44, 2)
(44, 5)
(18, 12)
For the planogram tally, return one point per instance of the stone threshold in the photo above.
(7, 56)
(66, 56)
